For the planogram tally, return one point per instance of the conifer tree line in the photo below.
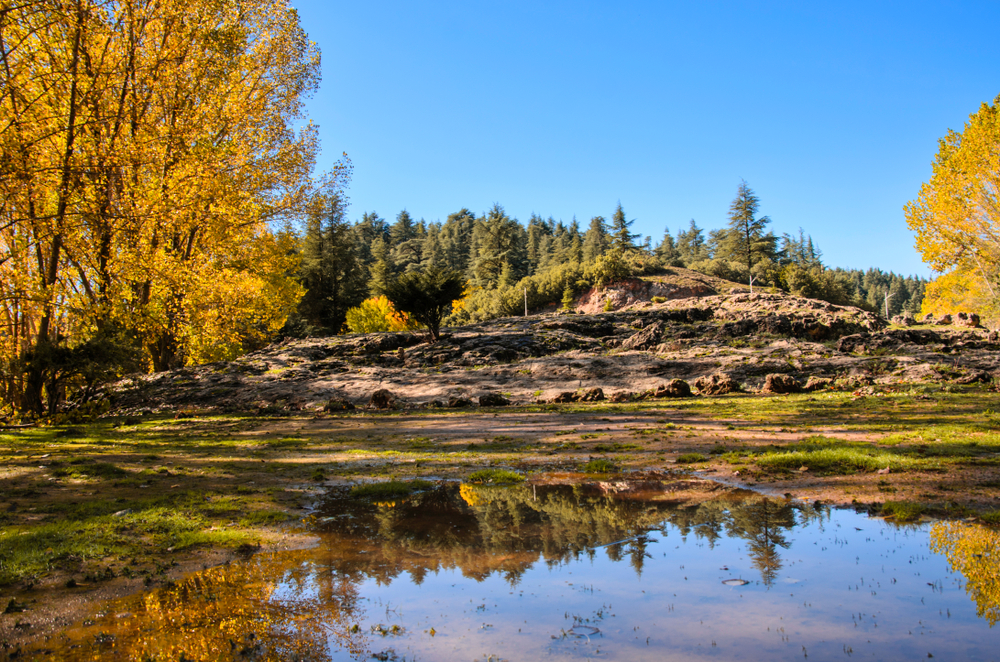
(502, 261)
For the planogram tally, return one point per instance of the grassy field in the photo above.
(135, 498)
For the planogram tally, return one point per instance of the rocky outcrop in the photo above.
(382, 399)
(675, 388)
(781, 383)
(717, 384)
(493, 400)
(715, 342)
(646, 338)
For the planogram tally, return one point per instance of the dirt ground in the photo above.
(247, 482)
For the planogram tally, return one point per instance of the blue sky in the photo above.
(830, 111)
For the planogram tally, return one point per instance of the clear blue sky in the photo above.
(830, 111)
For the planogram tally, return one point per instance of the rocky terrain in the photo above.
(711, 337)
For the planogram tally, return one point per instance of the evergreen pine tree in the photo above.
(329, 270)
(621, 236)
(595, 241)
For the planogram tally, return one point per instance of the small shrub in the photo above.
(659, 299)
(600, 466)
(902, 511)
(691, 458)
(992, 517)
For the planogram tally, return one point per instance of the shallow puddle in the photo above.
(602, 571)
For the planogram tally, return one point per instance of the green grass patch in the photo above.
(495, 477)
(691, 458)
(616, 447)
(992, 517)
(390, 489)
(264, 518)
(600, 466)
(902, 511)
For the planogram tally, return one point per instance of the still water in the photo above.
(598, 571)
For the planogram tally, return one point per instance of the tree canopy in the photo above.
(956, 216)
(147, 147)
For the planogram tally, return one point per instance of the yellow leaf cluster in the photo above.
(378, 314)
(961, 291)
(956, 217)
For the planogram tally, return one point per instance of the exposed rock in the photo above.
(721, 331)
(737, 329)
(974, 377)
(382, 399)
(968, 320)
(646, 338)
(338, 404)
(675, 388)
(564, 397)
(817, 383)
(622, 396)
(459, 402)
(904, 319)
(717, 384)
(493, 400)
(944, 320)
(781, 383)
(592, 395)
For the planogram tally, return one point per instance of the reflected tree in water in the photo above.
(232, 612)
(974, 551)
(763, 523)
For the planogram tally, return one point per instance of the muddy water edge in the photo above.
(589, 568)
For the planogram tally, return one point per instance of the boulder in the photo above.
(459, 402)
(382, 399)
(675, 388)
(944, 320)
(781, 383)
(818, 383)
(737, 329)
(853, 343)
(337, 404)
(718, 384)
(776, 325)
(905, 319)
(969, 320)
(646, 338)
(493, 400)
(975, 377)
(622, 396)
(592, 395)
(565, 396)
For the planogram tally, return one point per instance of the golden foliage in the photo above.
(146, 148)
(974, 551)
(378, 314)
(960, 291)
(956, 217)
(234, 612)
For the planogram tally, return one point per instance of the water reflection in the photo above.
(598, 571)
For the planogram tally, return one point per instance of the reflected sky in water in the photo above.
(598, 571)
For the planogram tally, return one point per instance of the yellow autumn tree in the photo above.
(378, 314)
(956, 217)
(147, 148)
